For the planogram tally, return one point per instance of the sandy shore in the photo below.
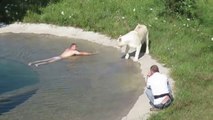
(140, 110)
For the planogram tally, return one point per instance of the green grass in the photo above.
(184, 45)
(112, 17)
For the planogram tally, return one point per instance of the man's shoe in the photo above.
(154, 109)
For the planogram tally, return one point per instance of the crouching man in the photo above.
(158, 89)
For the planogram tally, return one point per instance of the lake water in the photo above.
(14, 75)
(98, 87)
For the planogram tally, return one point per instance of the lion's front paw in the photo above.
(127, 56)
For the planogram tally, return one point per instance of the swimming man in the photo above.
(71, 51)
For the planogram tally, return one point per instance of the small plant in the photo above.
(186, 8)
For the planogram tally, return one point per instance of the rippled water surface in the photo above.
(98, 87)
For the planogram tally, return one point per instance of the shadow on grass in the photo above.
(15, 10)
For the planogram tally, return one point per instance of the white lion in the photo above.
(135, 39)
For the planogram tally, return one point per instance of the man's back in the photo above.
(158, 83)
(158, 89)
(69, 52)
(159, 86)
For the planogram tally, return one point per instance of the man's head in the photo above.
(73, 46)
(154, 68)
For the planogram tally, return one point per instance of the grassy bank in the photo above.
(184, 44)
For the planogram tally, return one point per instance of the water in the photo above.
(98, 87)
(8, 103)
(14, 75)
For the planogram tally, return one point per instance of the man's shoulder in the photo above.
(163, 75)
(159, 75)
(75, 52)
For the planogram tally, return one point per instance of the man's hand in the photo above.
(149, 74)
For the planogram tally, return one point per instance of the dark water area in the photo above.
(14, 75)
(9, 103)
(98, 87)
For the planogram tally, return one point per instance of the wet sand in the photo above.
(140, 110)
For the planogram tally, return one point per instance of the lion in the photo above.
(135, 39)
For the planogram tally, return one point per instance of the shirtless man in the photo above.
(71, 51)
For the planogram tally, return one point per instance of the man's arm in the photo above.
(85, 53)
(148, 84)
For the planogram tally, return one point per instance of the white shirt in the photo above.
(159, 85)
